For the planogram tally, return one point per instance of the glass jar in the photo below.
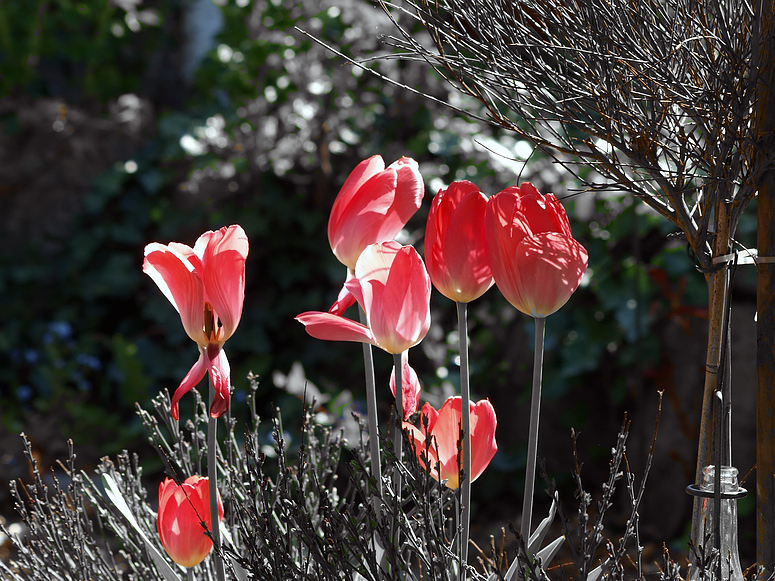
(730, 558)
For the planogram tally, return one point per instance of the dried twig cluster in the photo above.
(657, 96)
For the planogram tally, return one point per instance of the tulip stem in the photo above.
(371, 409)
(189, 574)
(212, 475)
(465, 396)
(535, 411)
(398, 438)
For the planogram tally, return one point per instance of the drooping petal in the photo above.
(345, 299)
(175, 276)
(220, 375)
(550, 268)
(192, 378)
(330, 327)
(410, 386)
(223, 264)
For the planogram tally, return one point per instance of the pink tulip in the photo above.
(391, 284)
(455, 243)
(206, 285)
(535, 261)
(182, 509)
(443, 434)
(373, 206)
(410, 386)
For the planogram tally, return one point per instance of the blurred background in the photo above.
(124, 122)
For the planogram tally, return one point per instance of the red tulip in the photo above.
(535, 261)
(206, 285)
(373, 205)
(443, 434)
(410, 386)
(393, 287)
(182, 509)
(455, 243)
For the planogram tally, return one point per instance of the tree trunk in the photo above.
(764, 54)
(717, 289)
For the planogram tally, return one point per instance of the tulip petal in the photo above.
(371, 273)
(330, 327)
(407, 200)
(465, 250)
(345, 299)
(551, 266)
(175, 276)
(483, 446)
(192, 378)
(223, 263)
(363, 172)
(445, 427)
(220, 375)
(405, 302)
(362, 224)
(410, 386)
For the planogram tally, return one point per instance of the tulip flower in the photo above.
(393, 288)
(535, 261)
(410, 386)
(455, 243)
(182, 510)
(206, 285)
(438, 439)
(374, 204)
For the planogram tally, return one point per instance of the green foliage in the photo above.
(269, 129)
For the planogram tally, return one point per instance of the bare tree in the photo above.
(660, 97)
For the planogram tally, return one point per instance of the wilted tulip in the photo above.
(392, 286)
(535, 261)
(373, 205)
(182, 509)
(455, 243)
(206, 285)
(439, 440)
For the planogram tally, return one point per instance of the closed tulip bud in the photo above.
(535, 261)
(374, 204)
(182, 509)
(455, 243)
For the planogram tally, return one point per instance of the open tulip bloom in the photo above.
(374, 204)
(393, 288)
(182, 510)
(437, 440)
(206, 285)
